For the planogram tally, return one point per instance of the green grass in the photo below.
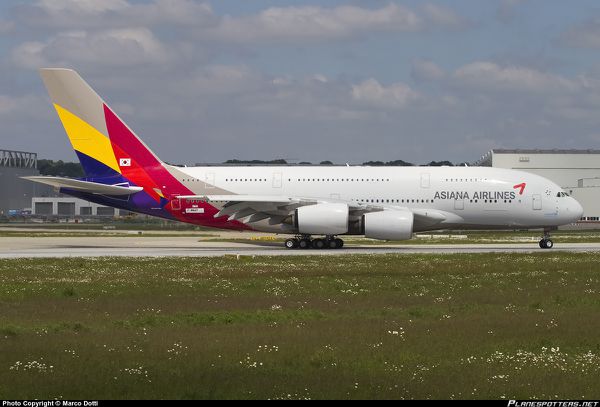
(360, 326)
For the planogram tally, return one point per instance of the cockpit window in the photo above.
(561, 194)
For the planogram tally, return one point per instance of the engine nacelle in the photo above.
(389, 225)
(322, 219)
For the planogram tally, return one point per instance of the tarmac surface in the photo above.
(134, 246)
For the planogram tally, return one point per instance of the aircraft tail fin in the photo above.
(105, 145)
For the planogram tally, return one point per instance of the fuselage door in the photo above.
(277, 180)
(425, 180)
(209, 180)
(175, 203)
(537, 202)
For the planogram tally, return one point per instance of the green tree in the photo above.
(60, 168)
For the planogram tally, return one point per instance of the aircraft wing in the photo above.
(254, 208)
(85, 186)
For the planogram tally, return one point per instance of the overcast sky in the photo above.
(347, 81)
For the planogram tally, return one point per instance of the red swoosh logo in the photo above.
(521, 186)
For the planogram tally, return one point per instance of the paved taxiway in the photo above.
(81, 246)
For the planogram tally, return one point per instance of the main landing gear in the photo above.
(306, 242)
(546, 242)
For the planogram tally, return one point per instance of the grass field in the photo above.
(360, 326)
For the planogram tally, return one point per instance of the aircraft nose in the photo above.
(575, 210)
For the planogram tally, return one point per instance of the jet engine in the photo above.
(389, 225)
(322, 219)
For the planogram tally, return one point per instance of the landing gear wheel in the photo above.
(291, 243)
(546, 242)
(304, 244)
(332, 242)
(318, 243)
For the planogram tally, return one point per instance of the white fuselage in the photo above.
(475, 197)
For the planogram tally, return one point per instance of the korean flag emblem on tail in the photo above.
(124, 162)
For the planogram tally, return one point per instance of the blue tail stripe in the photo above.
(94, 168)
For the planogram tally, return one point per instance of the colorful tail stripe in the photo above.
(111, 153)
(89, 143)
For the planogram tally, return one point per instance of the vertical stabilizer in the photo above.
(105, 145)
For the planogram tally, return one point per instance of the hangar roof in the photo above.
(543, 151)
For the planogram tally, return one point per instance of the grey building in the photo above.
(16, 193)
(576, 171)
(70, 207)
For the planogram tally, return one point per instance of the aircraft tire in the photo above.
(291, 244)
(318, 243)
(304, 244)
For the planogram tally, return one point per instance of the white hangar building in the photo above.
(576, 171)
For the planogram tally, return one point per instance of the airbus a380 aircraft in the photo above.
(388, 203)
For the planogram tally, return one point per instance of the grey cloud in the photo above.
(116, 47)
(189, 108)
(217, 112)
(506, 11)
(372, 93)
(18, 106)
(6, 26)
(489, 76)
(584, 35)
(284, 24)
(442, 17)
(425, 71)
(111, 33)
(89, 14)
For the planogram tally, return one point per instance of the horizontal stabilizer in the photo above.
(85, 186)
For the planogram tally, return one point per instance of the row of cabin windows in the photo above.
(422, 200)
(396, 201)
(246, 180)
(341, 179)
(490, 200)
(465, 179)
(332, 179)
(309, 179)
(393, 200)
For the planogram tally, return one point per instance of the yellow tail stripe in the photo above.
(86, 139)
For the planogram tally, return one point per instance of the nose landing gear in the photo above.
(306, 242)
(546, 242)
